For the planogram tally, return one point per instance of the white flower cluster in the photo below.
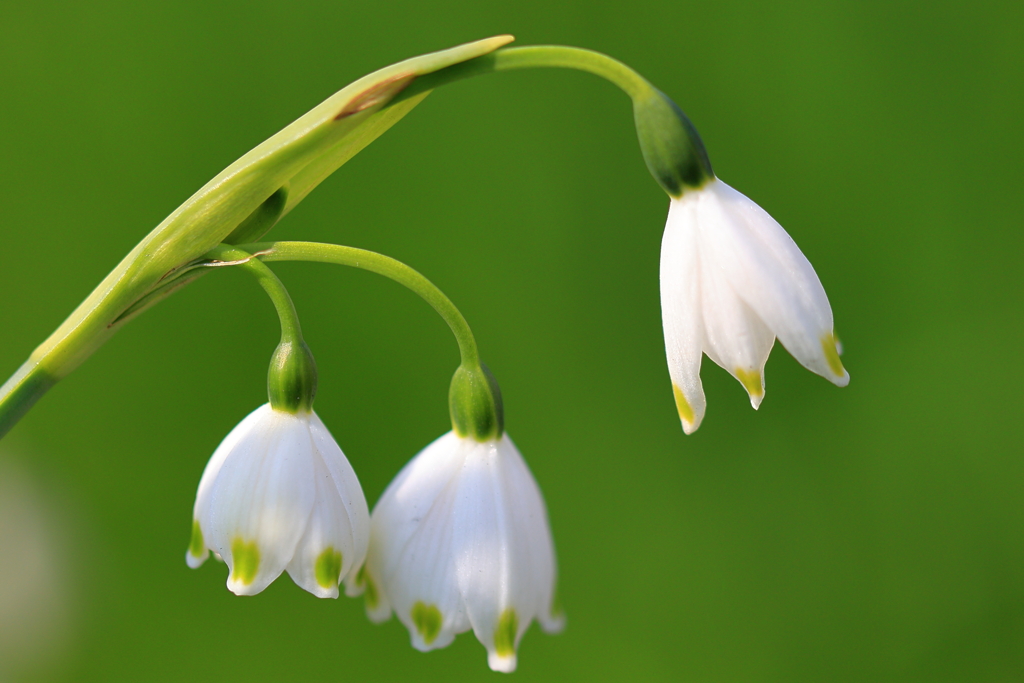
(459, 540)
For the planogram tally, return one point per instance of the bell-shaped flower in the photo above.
(732, 280)
(278, 494)
(460, 540)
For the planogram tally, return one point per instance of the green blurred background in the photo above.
(870, 533)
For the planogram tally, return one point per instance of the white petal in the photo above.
(261, 499)
(350, 492)
(410, 549)
(770, 273)
(327, 547)
(734, 337)
(200, 510)
(502, 548)
(681, 310)
(531, 541)
(360, 581)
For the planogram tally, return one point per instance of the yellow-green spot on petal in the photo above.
(245, 558)
(505, 634)
(328, 568)
(751, 381)
(828, 345)
(364, 580)
(196, 545)
(682, 405)
(427, 619)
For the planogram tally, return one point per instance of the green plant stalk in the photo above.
(533, 57)
(474, 398)
(671, 146)
(240, 204)
(251, 195)
(291, 379)
(227, 255)
(382, 265)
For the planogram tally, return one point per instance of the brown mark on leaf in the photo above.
(378, 93)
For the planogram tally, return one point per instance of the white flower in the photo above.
(731, 281)
(460, 540)
(279, 494)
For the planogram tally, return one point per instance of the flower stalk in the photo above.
(291, 379)
(249, 197)
(474, 398)
(672, 149)
(241, 203)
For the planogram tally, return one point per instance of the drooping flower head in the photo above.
(460, 540)
(278, 494)
(732, 281)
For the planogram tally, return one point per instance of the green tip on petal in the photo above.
(427, 619)
(245, 559)
(328, 568)
(828, 345)
(196, 546)
(751, 381)
(505, 635)
(682, 405)
(364, 580)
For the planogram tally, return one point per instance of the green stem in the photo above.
(292, 378)
(536, 56)
(227, 255)
(19, 393)
(382, 265)
(671, 146)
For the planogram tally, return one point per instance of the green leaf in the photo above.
(268, 181)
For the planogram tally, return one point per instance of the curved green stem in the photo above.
(382, 265)
(253, 193)
(291, 379)
(671, 146)
(536, 56)
(227, 255)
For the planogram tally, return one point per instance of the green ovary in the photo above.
(505, 635)
(246, 561)
(427, 619)
(196, 545)
(328, 568)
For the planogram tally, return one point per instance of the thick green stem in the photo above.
(382, 265)
(19, 393)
